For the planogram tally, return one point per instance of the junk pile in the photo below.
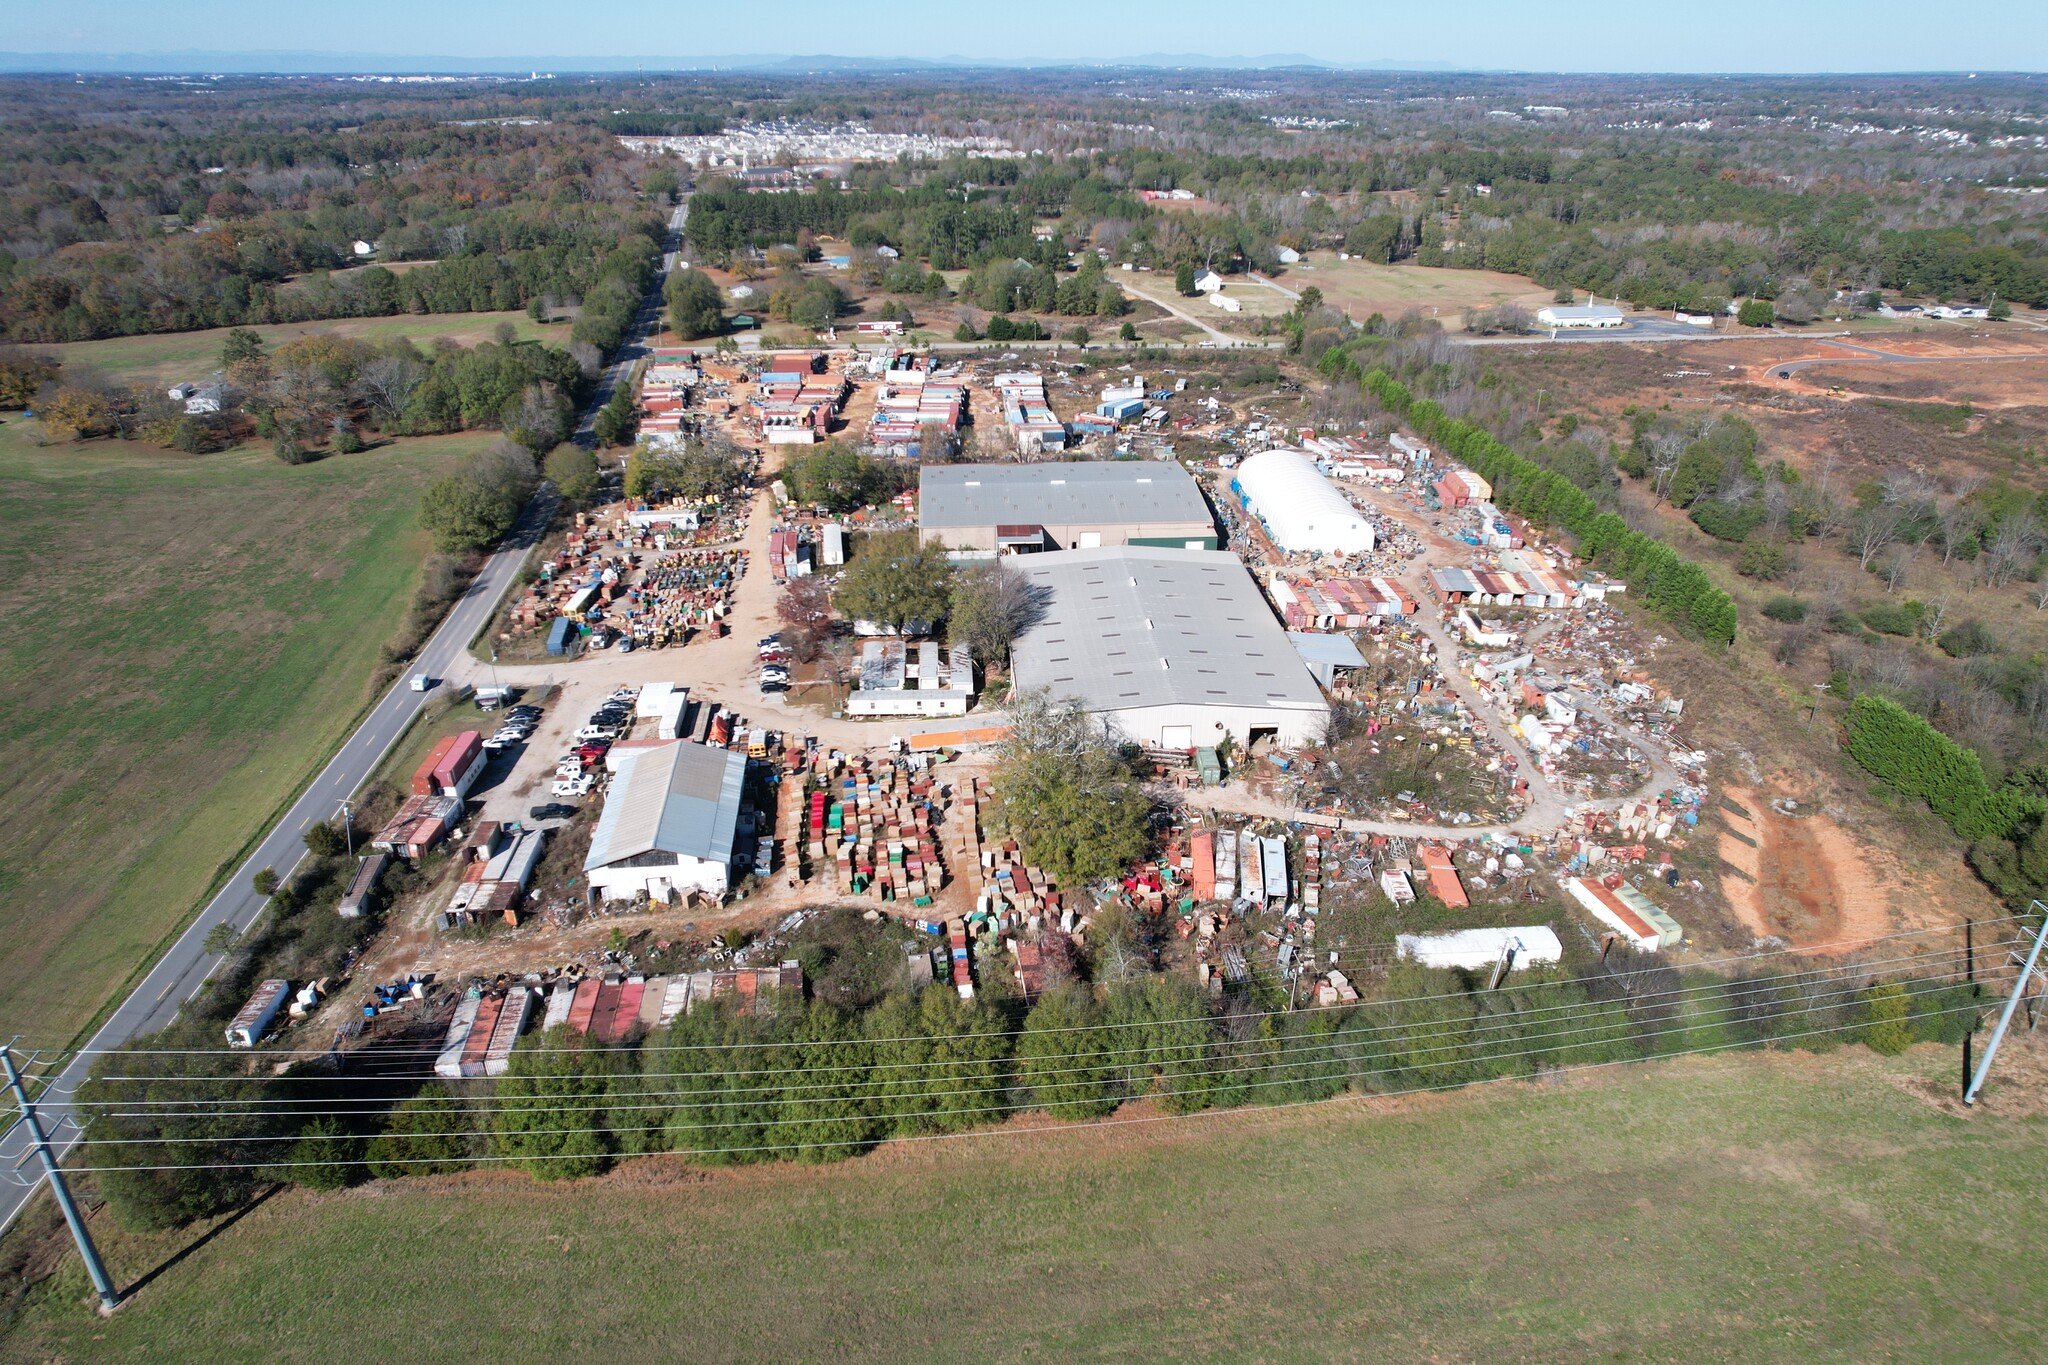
(877, 818)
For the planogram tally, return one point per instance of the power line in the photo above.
(1029, 1081)
(1500, 1020)
(1234, 1112)
(437, 1049)
(1816, 950)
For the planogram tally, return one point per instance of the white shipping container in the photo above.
(449, 1063)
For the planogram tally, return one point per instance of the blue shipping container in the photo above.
(560, 634)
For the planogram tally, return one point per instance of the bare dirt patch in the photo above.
(1799, 875)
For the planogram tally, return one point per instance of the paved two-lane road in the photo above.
(185, 967)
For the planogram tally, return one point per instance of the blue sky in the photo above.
(1539, 35)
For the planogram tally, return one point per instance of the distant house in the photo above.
(199, 400)
(741, 321)
(364, 248)
(887, 253)
(741, 291)
(1288, 255)
(1208, 282)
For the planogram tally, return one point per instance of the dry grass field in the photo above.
(1768, 1206)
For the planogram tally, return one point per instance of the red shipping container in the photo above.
(423, 776)
(584, 1005)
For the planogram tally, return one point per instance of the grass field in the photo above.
(1765, 1207)
(172, 357)
(189, 637)
(1362, 288)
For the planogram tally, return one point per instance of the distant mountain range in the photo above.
(194, 62)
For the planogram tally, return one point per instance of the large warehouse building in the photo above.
(671, 823)
(982, 509)
(1171, 647)
(1300, 509)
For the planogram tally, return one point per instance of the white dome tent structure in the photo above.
(1301, 510)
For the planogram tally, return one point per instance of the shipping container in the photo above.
(585, 1004)
(253, 1020)
(1226, 864)
(361, 894)
(1202, 860)
(478, 1047)
(449, 1063)
(651, 1001)
(1273, 858)
(627, 1013)
(559, 1002)
(1251, 867)
(601, 1013)
(511, 1022)
(423, 776)
(460, 767)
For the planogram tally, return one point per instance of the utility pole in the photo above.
(2012, 1003)
(348, 828)
(109, 1300)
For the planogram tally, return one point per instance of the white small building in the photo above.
(1226, 303)
(363, 248)
(1288, 255)
(741, 291)
(1207, 282)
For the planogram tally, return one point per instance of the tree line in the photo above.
(790, 1080)
(1674, 587)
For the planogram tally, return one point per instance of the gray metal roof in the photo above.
(1319, 648)
(1069, 493)
(1128, 626)
(678, 798)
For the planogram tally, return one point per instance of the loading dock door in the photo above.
(1177, 737)
(1091, 540)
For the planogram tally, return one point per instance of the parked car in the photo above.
(767, 640)
(591, 732)
(523, 713)
(422, 683)
(625, 694)
(594, 751)
(553, 810)
(498, 743)
(774, 674)
(573, 786)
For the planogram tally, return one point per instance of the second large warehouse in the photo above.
(1301, 510)
(1170, 647)
(984, 509)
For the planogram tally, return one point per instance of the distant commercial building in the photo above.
(1169, 647)
(1024, 509)
(1578, 317)
(1301, 510)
